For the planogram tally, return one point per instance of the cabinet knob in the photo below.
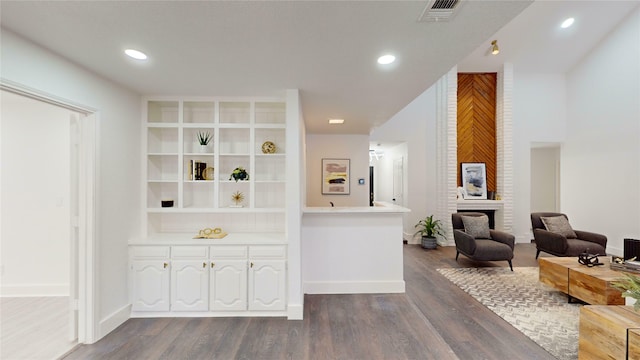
(251, 264)
(165, 265)
(213, 264)
(204, 265)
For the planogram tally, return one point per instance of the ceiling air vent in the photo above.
(439, 10)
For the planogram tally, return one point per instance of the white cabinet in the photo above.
(189, 285)
(228, 285)
(150, 274)
(267, 277)
(261, 288)
(267, 285)
(189, 278)
(218, 279)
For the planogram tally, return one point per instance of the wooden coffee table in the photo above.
(609, 332)
(589, 284)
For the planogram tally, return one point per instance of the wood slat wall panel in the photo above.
(477, 122)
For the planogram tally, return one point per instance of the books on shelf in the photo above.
(197, 170)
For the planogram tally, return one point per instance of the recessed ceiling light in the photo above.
(386, 59)
(568, 22)
(336, 121)
(136, 54)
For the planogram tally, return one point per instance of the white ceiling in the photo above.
(327, 49)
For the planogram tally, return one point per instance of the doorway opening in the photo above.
(545, 177)
(47, 221)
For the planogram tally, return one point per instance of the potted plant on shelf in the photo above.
(630, 287)
(204, 138)
(239, 173)
(429, 228)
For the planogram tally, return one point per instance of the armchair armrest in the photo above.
(592, 237)
(553, 242)
(465, 243)
(503, 237)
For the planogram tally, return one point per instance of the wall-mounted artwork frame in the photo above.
(474, 180)
(335, 176)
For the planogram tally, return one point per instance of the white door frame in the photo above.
(87, 269)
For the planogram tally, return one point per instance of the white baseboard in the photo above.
(353, 287)
(409, 238)
(523, 239)
(34, 290)
(295, 311)
(111, 322)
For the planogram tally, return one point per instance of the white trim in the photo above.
(34, 290)
(35, 94)
(88, 145)
(203, 314)
(295, 312)
(111, 322)
(354, 287)
(88, 274)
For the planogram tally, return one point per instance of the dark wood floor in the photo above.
(433, 320)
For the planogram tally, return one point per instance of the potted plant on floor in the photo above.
(429, 228)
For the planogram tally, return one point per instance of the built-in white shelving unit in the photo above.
(238, 129)
(243, 274)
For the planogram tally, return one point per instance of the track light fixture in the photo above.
(494, 47)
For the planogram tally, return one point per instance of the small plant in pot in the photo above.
(204, 138)
(630, 287)
(239, 173)
(429, 228)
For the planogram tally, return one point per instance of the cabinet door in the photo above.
(150, 281)
(189, 285)
(228, 285)
(267, 285)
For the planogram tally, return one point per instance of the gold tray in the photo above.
(209, 233)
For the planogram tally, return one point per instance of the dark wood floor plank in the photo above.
(472, 330)
(434, 320)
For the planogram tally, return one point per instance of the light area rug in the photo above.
(535, 309)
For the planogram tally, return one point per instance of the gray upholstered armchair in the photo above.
(475, 240)
(554, 235)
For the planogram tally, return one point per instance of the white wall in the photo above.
(118, 175)
(35, 197)
(539, 115)
(601, 156)
(415, 125)
(295, 197)
(353, 147)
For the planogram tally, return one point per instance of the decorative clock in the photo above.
(268, 147)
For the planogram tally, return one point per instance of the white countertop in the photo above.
(168, 239)
(379, 208)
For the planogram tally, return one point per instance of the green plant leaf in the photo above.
(630, 287)
(429, 227)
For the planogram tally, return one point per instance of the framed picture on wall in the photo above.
(335, 176)
(474, 180)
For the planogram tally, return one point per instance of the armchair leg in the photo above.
(537, 253)
(457, 253)
(510, 265)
